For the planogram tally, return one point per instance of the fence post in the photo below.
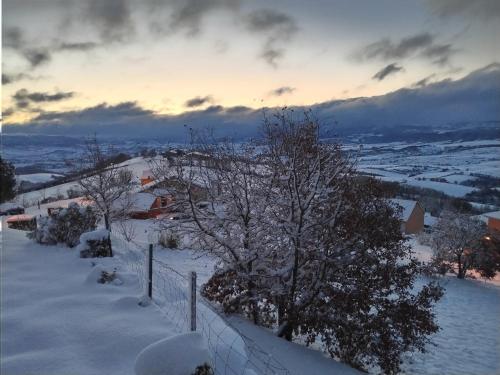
(192, 300)
(150, 271)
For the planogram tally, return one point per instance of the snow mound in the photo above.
(94, 275)
(95, 235)
(177, 355)
(126, 303)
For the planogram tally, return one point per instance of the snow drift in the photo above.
(176, 355)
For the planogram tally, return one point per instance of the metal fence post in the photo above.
(192, 300)
(150, 271)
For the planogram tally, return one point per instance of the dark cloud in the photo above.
(238, 109)
(129, 119)
(388, 70)
(485, 9)
(473, 98)
(198, 101)
(12, 38)
(213, 109)
(23, 98)
(22, 104)
(116, 21)
(187, 15)
(282, 91)
(423, 44)
(37, 56)
(38, 97)
(278, 29)
(6, 79)
(271, 54)
(423, 82)
(385, 49)
(439, 54)
(7, 112)
(77, 46)
(264, 20)
(102, 114)
(11, 78)
(112, 18)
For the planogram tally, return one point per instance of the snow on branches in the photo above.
(305, 246)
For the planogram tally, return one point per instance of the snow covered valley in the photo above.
(58, 319)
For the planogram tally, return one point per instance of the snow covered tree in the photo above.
(488, 262)
(65, 226)
(221, 189)
(106, 184)
(367, 310)
(305, 175)
(456, 241)
(7, 181)
(308, 249)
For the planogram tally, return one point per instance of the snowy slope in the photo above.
(469, 340)
(136, 165)
(85, 328)
(36, 178)
(56, 319)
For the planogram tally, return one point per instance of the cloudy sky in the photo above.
(168, 57)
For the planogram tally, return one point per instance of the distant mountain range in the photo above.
(467, 108)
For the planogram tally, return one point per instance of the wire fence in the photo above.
(231, 351)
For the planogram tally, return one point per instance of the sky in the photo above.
(63, 58)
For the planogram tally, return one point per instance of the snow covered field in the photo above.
(469, 340)
(56, 318)
(416, 164)
(136, 165)
(37, 178)
(410, 163)
(53, 308)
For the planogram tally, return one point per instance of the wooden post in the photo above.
(192, 300)
(150, 271)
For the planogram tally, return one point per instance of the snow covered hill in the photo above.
(57, 319)
(36, 178)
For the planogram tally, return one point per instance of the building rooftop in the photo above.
(492, 215)
(22, 217)
(407, 207)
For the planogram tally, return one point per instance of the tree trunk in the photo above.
(110, 248)
(286, 331)
(253, 304)
(106, 222)
(108, 227)
(461, 273)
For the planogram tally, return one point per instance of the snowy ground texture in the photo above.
(56, 318)
(412, 163)
(415, 164)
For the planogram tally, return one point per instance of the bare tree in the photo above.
(106, 184)
(306, 176)
(304, 247)
(126, 228)
(456, 240)
(225, 193)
